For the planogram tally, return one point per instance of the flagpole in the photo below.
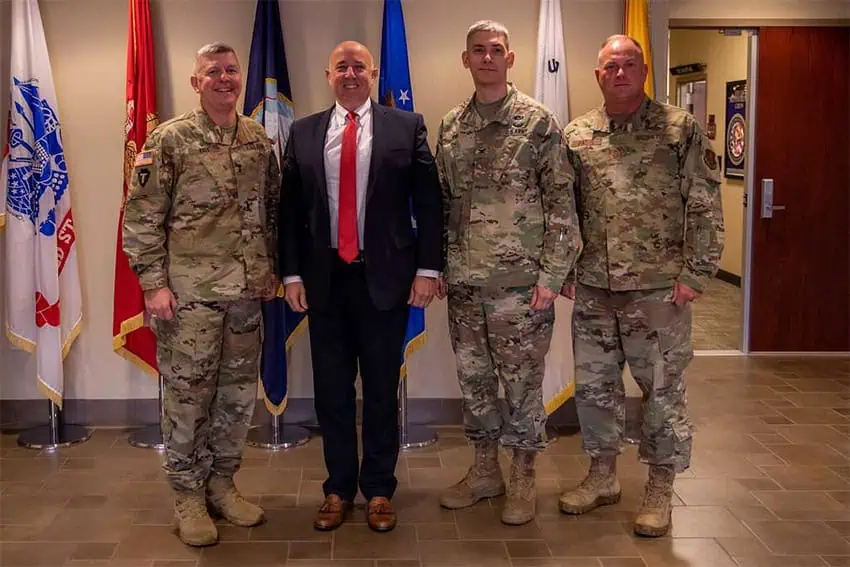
(55, 434)
(411, 436)
(276, 435)
(150, 436)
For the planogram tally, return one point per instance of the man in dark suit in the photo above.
(351, 256)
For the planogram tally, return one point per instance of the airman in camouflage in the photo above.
(199, 231)
(652, 227)
(511, 237)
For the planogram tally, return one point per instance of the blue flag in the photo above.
(394, 90)
(268, 100)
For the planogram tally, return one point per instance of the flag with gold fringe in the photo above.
(131, 338)
(394, 89)
(637, 26)
(42, 285)
(268, 100)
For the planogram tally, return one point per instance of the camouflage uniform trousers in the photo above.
(208, 356)
(647, 330)
(497, 337)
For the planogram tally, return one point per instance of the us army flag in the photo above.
(551, 85)
(394, 90)
(130, 337)
(43, 304)
(637, 25)
(268, 100)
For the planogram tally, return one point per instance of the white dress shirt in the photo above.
(333, 151)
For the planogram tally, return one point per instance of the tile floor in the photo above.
(717, 317)
(769, 486)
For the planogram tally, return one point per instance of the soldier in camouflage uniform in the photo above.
(511, 236)
(648, 195)
(199, 231)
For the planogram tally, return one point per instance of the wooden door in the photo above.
(800, 288)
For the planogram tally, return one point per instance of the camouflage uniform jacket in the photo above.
(200, 216)
(648, 196)
(508, 200)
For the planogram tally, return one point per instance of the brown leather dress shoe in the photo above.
(331, 513)
(380, 514)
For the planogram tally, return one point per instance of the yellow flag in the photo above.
(637, 26)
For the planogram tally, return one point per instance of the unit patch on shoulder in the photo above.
(710, 159)
(143, 175)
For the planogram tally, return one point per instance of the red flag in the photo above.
(130, 337)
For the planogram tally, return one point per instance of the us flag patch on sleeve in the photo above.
(144, 158)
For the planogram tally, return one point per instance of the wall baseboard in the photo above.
(728, 277)
(16, 415)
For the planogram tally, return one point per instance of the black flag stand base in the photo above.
(277, 436)
(150, 437)
(411, 436)
(55, 434)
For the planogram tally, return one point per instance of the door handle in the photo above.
(767, 206)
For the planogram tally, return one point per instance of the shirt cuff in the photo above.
(292, 279)
(428, 273)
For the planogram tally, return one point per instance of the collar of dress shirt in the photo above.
(360, 111)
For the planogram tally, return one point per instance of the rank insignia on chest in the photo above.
(710, 159)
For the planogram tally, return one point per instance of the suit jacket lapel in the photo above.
(379, 117)
(319, 139)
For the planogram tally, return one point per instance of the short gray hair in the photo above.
(213, 48)
(489, 26)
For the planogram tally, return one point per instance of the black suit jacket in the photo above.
(401, 171)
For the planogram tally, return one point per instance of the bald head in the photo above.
(619, 44)
(352, 47)
(351, 73)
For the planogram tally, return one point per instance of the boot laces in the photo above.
(659, 489)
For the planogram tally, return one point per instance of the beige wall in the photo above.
(726, 60)
(759, 9)
(88, 62)
(87, 42)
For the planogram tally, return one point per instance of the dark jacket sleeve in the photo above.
(290, 212)
(427, 206)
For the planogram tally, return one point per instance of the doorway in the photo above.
(708, 77)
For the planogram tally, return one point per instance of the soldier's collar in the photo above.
(604, 123)
(471, 116)
(213, 132)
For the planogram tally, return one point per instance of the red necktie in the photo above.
(348, 247)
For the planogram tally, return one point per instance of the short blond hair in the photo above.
(612, 38)
(489, 26)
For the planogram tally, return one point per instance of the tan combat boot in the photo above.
(653, 518)
(521, 503)
(191, 520)
(483, 480)
(226, 500)
(599, 488)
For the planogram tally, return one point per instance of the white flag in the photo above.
(551, 90)
(551, 85)
(43, 304)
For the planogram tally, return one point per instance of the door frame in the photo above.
(749, 187)
(749, 169)
(750, 27)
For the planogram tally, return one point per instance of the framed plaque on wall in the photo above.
(736, 129)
